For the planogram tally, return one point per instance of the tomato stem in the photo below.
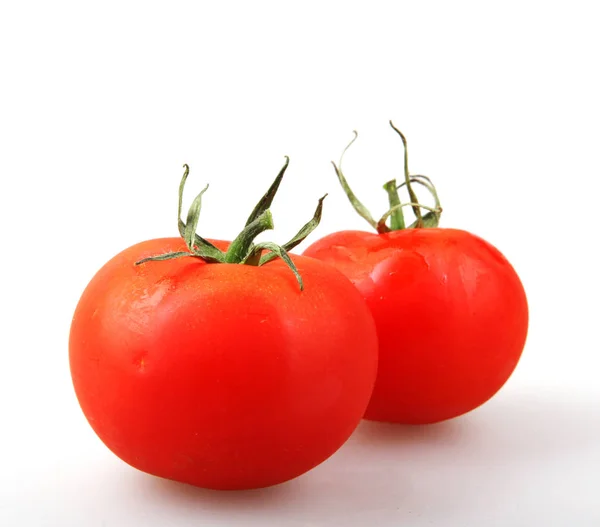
(432, 218)
(242, 250)
(397, 217)
(356, 203)
(277, 250)
(240, 247)
(189, 232)
(397, 222)
(384, 218)
(266, 201)
(203, 247)
(301, 234)
(166, 256)
(411, 193)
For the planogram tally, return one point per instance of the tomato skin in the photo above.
(451, 316)
(222, 376)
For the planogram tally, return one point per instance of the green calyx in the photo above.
(242, 249)
(395, 213)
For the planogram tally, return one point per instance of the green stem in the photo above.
(411, 193)
(384, 218)
(397, 217)
(267, 199)
(186, 173)
(193, 217)
(358, 206)
(162, 257)
(240, 247)
(253, 257)
(242, 250)
(432, 218)
(206, 249)
(301, 234)
(282, 253)
(428, 184)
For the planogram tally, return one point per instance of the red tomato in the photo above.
(451, 317)
(223, 376)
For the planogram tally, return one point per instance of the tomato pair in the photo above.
(235, 365)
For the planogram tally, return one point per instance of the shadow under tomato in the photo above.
(391, 474)
(403, 435)
(528, 425)
(182, 492)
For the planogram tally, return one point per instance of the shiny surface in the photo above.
(451, 316)
(223, 376)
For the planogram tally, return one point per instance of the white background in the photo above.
(101, 104)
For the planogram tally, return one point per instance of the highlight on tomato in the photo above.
(450, 310)
(225, 365)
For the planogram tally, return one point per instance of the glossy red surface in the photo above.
(224, 376)
(451, 317)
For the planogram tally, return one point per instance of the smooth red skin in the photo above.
(451, 316)
(219, 375)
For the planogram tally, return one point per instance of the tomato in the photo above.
(450, 310)
(451, 316)
(221, 375)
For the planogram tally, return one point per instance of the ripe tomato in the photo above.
(450, 310)
(221, 375)
(451, 317)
